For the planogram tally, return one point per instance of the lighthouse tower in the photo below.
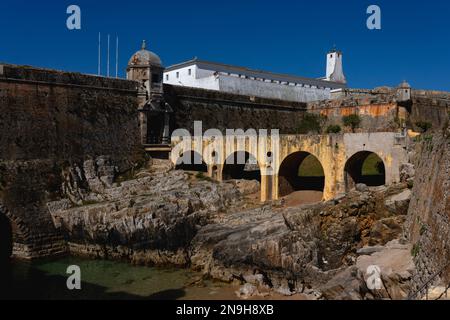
(335, 71)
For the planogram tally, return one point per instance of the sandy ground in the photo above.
(228, 292)
(302, 197)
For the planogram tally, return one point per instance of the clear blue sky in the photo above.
(280, 36)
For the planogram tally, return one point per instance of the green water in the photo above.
(104, 280)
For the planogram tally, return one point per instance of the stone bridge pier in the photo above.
(283, 164)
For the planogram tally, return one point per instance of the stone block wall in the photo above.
(231, 111)
(51, 121)
(428, 224)
(430, 106)
(378, 112)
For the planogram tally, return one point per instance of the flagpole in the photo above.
(99, 53)
(117, 57)
(107, 65)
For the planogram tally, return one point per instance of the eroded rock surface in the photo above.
(150, 220)
(167, 217)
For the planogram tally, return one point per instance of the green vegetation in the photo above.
(353, 121)
(310, 123)
(423, 229)
(424, 126)
(201, 176)
(310, 167)
(373, 166)
(415, 250)
(334, 129)
(89, 202)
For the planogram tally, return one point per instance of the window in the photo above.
(167, 77)
(189, 72)
(178, 74)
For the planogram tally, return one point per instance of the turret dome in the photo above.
(145, 57)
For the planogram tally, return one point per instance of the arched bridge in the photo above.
(332, 164)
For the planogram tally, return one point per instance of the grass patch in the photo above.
(372, 166)
(310, 167)
(415, 250)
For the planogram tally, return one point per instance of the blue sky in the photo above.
(281, 36)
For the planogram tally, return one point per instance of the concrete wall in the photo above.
(50, 121)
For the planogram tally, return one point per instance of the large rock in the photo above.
(407, 172)
(399, 203)
(346, 285)
(396, 269)
(151, 220)
(293, 247)
(385, 274)
(247, 187)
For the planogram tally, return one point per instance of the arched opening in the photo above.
(6, 238)
(364, 167)
(191, 161)
(301, 178)
(241, 165)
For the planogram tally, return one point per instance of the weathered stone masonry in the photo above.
(50, 121)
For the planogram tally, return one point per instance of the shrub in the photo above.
(334, 129)
(353, 121)
(415, 250)
(310, 123)
(424, 125)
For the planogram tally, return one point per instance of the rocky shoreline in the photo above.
(164, 217)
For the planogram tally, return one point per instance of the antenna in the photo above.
(107, 65)
(99, 53)
(117, 56)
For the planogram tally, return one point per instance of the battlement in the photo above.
(9, 72)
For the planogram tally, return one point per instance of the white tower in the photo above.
(335, 70)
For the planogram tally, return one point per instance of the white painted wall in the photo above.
(197, 79)
(266, 89)
(335, 71)
(208, 79)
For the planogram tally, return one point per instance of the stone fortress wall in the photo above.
(223, 111)
(51, 121)
(384, 108)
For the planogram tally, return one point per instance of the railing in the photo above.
(426, 285)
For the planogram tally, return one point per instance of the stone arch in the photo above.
(301, 172)
(191, 161)
(237, 166)
(6, 237)
(12, 230)
(365, 167)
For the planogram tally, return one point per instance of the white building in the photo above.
(239, 80)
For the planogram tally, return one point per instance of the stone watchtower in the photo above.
(146, 68)
(404, 91)
(335, 70)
